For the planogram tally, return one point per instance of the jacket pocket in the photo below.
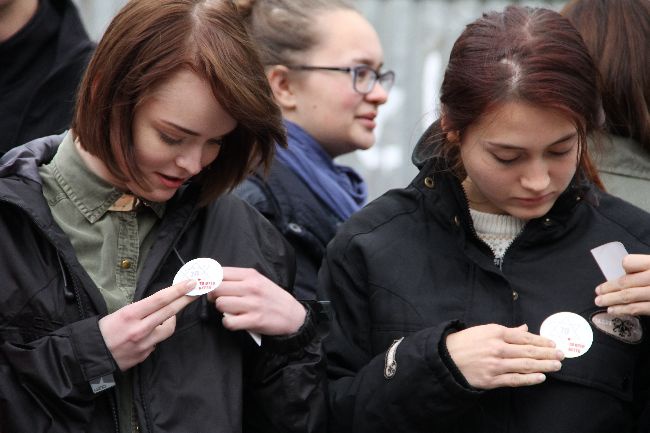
(609, 365)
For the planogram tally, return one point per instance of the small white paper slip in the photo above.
(207, 272)
(610, 259)
(570, 332)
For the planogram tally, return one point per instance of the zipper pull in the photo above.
(498, 262)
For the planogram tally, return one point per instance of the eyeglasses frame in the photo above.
(352, 70)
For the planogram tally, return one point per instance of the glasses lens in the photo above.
(364, 79)
(387, 79)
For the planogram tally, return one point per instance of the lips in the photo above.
(171, 181)
(368, 120)
(536, 200)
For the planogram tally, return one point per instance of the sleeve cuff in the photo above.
(285, 344)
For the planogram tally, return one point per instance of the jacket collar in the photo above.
(437, 181)
(20, 185)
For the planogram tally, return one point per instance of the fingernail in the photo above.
(560, 355)
(540, 378)
(598, 290)
(557, 365)
(190, 284)
(598, 300)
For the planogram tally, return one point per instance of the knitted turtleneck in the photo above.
(497, 231)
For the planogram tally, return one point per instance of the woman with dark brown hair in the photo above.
(94, 337)
(445, 293)
(617, 34)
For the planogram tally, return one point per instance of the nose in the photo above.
(378, 95)
(536, 177)
(190, 159)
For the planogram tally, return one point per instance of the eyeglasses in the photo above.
(364, 77)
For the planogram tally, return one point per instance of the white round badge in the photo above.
(207, 273)
(571, 333)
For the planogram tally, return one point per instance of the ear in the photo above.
(452, 136)
(280, 81)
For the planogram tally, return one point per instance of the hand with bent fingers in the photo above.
(252, 302)
(132, 332)
(630, 293)
(493, 356)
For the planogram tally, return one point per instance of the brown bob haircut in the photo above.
(146, 43)
(531, 55)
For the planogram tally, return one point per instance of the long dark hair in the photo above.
(532, 55)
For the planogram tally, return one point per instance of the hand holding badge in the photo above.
(208, 274)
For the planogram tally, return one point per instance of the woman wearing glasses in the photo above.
(324, 65)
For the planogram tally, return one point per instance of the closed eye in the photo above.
(168, 139)
(505, 160)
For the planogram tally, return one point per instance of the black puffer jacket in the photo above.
(204, 378)
(410, 266)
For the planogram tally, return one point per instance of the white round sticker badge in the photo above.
(571, 333)
(207, 273)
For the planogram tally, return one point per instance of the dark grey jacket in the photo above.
(204, 378)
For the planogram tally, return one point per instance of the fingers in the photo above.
(169, 310)
(633, 263)
(521, 337)
(163, 298)
(515, 380)
(518, 351)
(162, 331)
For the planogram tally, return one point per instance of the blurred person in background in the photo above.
(44, 50)
(324, 63)
(617, 34)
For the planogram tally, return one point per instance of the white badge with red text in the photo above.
(207, 273)
(571, 333)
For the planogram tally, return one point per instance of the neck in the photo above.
(14, 15)
(97, 166)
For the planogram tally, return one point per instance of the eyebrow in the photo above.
(512, 146)
(180, 128)
(367, 62)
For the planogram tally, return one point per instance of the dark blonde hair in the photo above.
(617, 34)
(146, 43)
(531, 55)
(283, 28)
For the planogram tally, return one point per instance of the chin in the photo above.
(529, 214)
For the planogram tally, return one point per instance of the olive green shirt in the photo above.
(110, 245)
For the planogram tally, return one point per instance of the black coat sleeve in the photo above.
(44, 383)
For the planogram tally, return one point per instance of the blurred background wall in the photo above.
(417, 36)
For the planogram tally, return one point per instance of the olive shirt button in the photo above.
(125, 264)
(428, 182)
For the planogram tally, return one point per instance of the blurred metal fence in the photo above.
(417, 36)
